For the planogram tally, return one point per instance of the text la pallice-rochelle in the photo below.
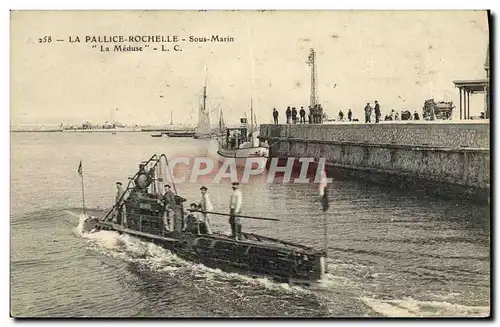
(123, 39)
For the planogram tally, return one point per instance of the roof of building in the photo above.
(473, 86)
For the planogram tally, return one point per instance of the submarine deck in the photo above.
(250, 239)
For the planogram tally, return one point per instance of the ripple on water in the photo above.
(384, 245)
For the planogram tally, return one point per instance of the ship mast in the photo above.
(251, 115)
(203, 115)
(313, 98)
(205, 90)
(171, 118)
(221, 122)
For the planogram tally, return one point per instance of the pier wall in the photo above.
(450, 159)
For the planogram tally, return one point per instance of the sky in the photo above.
(399, 58)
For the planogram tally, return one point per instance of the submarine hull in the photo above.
(255, 255)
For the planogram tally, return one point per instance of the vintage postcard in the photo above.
(267, 163)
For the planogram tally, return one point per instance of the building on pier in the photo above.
(468, 87)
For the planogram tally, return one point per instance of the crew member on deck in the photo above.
(206, 205)
(193, 225)
(235, 209)
(118, 207)
(142, 179)
(169, 203)
(119, 192)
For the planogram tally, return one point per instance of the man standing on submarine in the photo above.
(168, 199)
(206, 205)
(235, 209)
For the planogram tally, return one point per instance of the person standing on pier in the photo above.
(341, 115)
(368, 113)
(377, 112)
(311, 117)
(275, 116)
(294, 115)
(416, 116)
(320, 114)
(206, 205)
(433, 113)
(349, 115)
(288, 114)
(302, 114)
(315, 114)
(235, 209)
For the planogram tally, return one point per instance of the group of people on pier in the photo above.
(318, 116)
(315, 115)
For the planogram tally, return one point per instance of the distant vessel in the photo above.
(203, 129)
(101, 129)
(180, 133)
(161, 132)
(242, 143)
(221, 128)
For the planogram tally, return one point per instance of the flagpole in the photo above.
(323, 191)
(83, 197)
(80, 172)
(325, 226)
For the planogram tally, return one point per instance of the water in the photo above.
(390, 253)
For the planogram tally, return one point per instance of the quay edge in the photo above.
(446, 159)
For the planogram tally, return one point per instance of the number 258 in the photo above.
(45, 39)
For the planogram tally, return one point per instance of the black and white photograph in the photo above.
(250, 164)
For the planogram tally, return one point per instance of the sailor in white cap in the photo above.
(169, 206)
(206, 205)
(235, 209)
(118, 201)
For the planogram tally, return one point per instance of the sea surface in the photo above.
(391, 253)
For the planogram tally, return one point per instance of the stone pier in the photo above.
(450, 159)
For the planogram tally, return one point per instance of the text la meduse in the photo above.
(131, 48)
(122, 48)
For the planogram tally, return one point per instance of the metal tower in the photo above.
(314, 93)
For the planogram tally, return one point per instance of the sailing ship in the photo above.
(203, 129)
(221, 126)
(140, 213)
(241, 143)
(184, 131)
